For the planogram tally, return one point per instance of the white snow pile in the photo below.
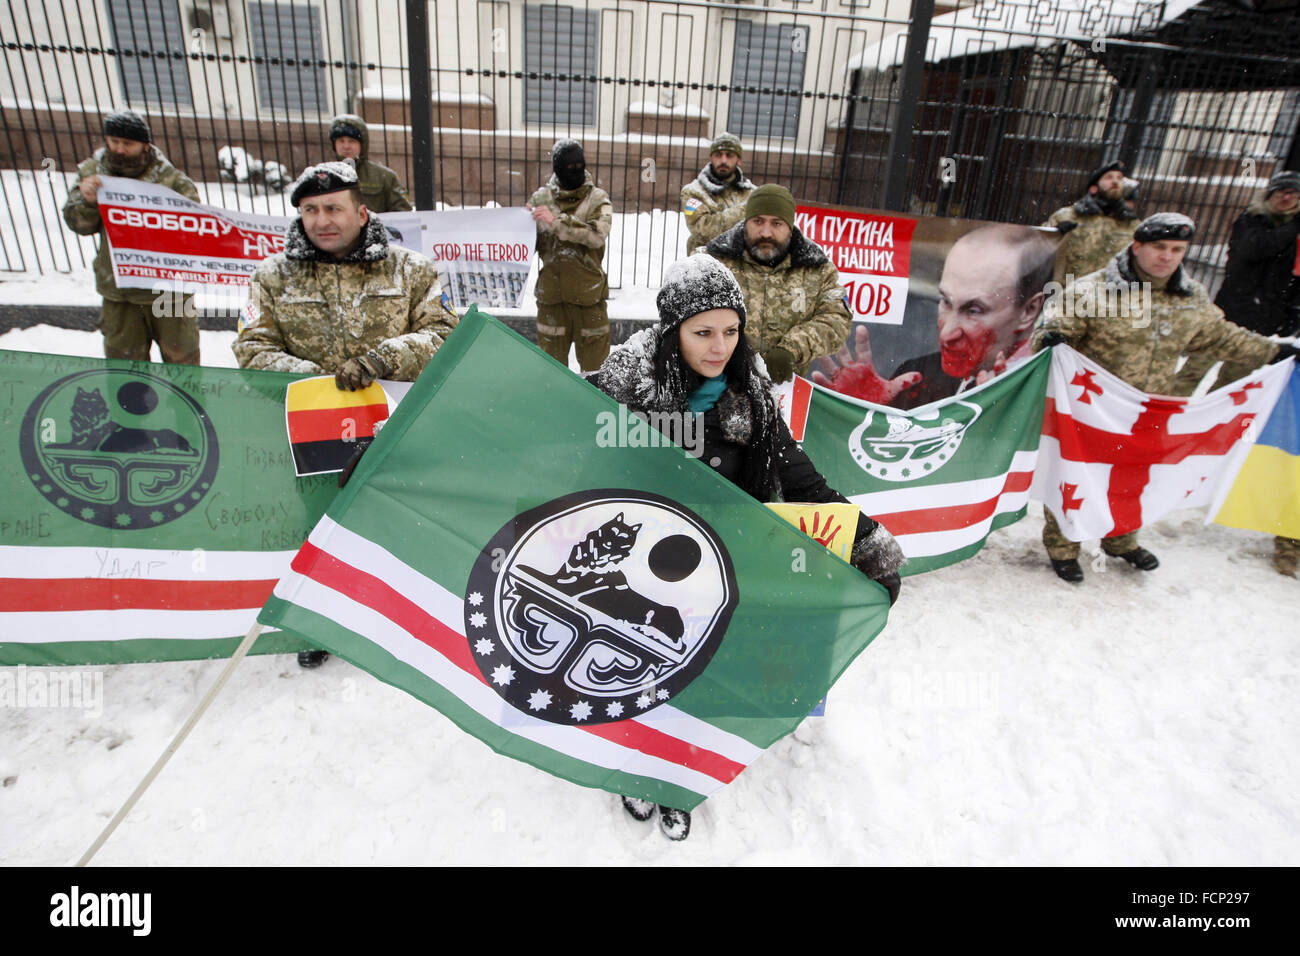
(1002, 717)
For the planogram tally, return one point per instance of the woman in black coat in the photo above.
(696, 360)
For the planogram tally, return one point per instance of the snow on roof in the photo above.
(992, 25)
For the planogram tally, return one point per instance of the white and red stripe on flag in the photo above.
(1113, 458)
(367, 590)
(793, 400)
(67, 594)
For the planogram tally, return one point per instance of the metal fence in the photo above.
(993, 110)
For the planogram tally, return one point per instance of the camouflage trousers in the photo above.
(1286, 555)
(586, 326)
(1061, 548)
(130, 329)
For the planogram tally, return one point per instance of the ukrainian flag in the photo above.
(1266, 495)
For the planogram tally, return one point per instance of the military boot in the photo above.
(1141, 558)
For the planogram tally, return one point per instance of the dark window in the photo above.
(771, 58)
(151, 30)
(560, 41)
(290, 35)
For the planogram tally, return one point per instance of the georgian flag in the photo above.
(1113, 458)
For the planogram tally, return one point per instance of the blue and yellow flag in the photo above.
(1266, 495)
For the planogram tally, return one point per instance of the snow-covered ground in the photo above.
(1002, 717)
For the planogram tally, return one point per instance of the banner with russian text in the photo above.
(146, 510)
(161, 241)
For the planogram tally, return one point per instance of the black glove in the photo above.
(893, 584)
(351, 466)
(359, 372)
(780, 364)
(1066, 226)
(1284, 352)
(878, 556)
(1049, 339)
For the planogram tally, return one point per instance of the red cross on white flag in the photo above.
(1113, 459)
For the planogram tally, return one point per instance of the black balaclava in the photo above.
(569, 163)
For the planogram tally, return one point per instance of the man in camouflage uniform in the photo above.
(340, 300)
(573, 221)
(381, 190)
(714, 201)
(1097, 226)
(1141, 343)
(128, 320)
(798, 311)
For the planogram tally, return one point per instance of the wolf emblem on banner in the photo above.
(599, 605)
(119, 448)
(913, 445)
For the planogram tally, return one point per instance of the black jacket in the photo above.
(1259, 291)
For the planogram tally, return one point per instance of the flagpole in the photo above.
(184, 732)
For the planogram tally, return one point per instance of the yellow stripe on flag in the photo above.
(831, 524)
(312, 393)
(1266, 495)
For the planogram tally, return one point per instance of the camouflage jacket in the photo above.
(1139, 336)
(1091, 244)
(797, 304)
(711, 207)
(83, 217)
(571, 248)
(381, 190)
(307, 312)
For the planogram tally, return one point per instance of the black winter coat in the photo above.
(1259, 291)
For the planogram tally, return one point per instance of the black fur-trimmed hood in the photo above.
(373, 246)
(1122, 273)
(803, 253)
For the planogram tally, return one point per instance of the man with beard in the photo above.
(714, 201)
(573, 221)
(798, 310)
(128, 320)
(340, 300)
(1097, 226)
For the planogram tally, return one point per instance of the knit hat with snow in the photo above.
(697, 284)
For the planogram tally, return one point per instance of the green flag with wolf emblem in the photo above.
(146, 510)
(939, 477)
(613, 612)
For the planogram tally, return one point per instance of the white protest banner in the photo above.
(161, 241)
(482, 255)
